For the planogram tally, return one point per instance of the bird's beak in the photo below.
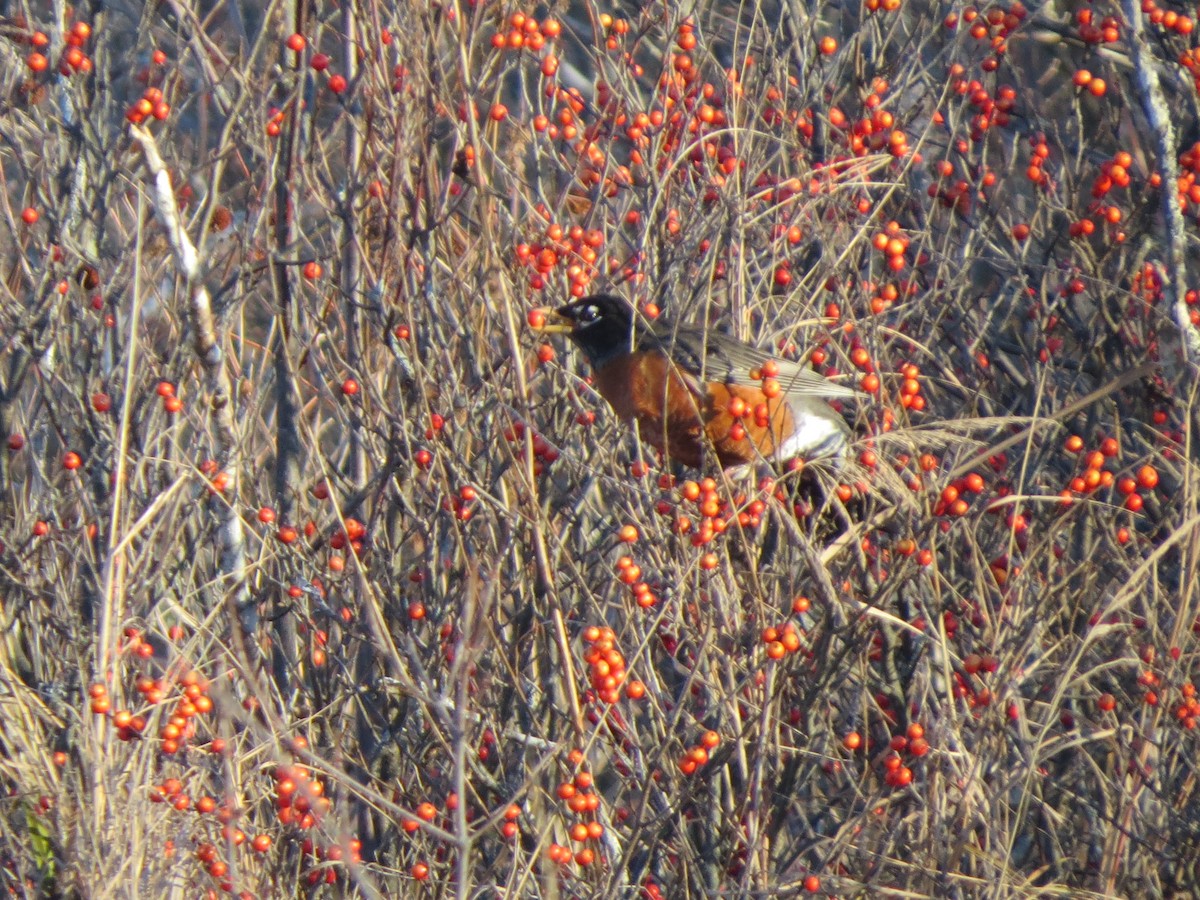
(548, 321)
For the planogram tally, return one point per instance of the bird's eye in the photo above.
(589, 314)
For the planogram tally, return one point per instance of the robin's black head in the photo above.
(600, 325)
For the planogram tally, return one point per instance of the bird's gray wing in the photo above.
(730, 361)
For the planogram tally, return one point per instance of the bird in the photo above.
(693, 392)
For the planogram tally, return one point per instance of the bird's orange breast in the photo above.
(647, 388)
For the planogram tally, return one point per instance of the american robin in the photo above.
(689, 389)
